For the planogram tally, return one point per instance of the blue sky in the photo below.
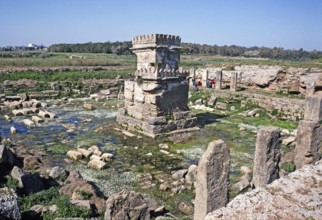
(291, 24)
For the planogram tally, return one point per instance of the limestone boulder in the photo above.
(88, 106)
(177, 175)
(74, 155)
(58, 173)
(9, 206)
(191, 176)
(28, 123)
(106, 157)
(86, 153)
(37, 119)
(97, 164)
(127, 205)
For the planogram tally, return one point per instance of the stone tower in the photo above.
(157, 100)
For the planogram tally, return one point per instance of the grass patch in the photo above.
(51, 197)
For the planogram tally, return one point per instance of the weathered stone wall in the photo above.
(290, 109)
(270, 78)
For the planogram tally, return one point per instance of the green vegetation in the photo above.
(73, 76)
(51, 197)
(12, 183)
(188, 61)
(288, 167)
(44, 59)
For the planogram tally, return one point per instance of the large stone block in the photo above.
(129, 86)
(129, 95)
(308, 143)
(139, 95)
(135, 111)
(267, 156)
(157, 120)
(313, 108)
(212, 179)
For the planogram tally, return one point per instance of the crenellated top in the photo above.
(155, 40)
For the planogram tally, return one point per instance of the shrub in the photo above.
(12, 183)
(52, 197)
(288, 167)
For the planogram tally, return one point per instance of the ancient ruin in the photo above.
(212, 179)
(156, 102)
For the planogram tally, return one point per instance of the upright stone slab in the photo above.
(204, 78)
(212, 179)
(310, 87)
(313, 108)
(308, 142)
(233, 81)
(218, 80)
(267, 156)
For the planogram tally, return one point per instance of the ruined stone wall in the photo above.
(268, 78)
(290, 109)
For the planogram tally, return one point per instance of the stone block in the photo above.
(157, 120)
(97, 164)
(139, 95)
(86, 153)
(313, 108)
(37, 119)
(129, 86)
(135, 111)
(74, 155)
(28, 123)
(129, 95)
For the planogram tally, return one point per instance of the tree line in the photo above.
(123, 48)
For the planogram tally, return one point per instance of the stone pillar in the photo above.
(212, 179)
(267, 156)
(233, 81)
(308, 142)
(204, 78)
(218, 80)
(192, 73)
(310, 87)
(313, 108)
(309, 132)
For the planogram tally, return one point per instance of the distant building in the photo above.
(35, 47)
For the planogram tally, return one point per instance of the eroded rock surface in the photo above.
(296, 196)
(9, 208)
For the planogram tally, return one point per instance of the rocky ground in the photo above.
(296, 196)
